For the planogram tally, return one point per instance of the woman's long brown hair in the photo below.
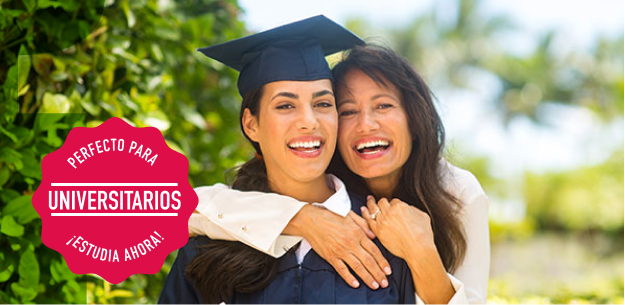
(420, 184)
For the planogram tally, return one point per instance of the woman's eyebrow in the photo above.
(377, 96)
(285, 94)
(341, 102)
(322, 93)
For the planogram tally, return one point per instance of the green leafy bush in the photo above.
(584, 199)
(140, 64)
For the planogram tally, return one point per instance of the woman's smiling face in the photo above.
(374, 139)
(296, 129)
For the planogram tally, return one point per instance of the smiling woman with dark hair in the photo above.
(391, 141)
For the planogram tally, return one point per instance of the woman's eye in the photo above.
(324, 104)
(285, 106)
(347, 112)
(385, 106)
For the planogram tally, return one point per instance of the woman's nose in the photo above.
(366, 122)
(307, 120)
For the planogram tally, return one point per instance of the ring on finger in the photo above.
(374, 215)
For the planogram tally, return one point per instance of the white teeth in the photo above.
(308, 144)
(372, 144)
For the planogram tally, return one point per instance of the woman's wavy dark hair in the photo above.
(224, 267)
(420, 184)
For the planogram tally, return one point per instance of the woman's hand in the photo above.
(342, 242)
(407, 232)
(399, 226)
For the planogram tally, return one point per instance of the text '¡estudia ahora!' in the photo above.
(111, 255)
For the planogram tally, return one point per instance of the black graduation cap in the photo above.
(295, 51)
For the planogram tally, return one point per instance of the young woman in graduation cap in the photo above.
(290, 116)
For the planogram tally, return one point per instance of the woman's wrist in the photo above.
(429, 275)
(416, 248)
(300, 222)
(424, 260)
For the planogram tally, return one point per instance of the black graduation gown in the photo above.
(314, 281)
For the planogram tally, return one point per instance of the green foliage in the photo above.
(518, 230)
(564, 298)
(593, 82)
(589, 198)
(139, 63)
(11, 228)
(47, 24)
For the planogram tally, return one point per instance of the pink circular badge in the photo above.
(115, 200)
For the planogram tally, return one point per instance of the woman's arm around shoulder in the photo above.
(254, 218)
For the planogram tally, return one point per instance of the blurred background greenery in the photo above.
(556, 232)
